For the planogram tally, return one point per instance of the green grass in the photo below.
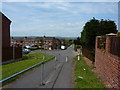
(89, 79)
(36, 49)
(29, 60)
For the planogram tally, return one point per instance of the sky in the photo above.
(63, 19)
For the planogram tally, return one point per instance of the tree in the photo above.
(89, 32)
(95, 28)
(77, 41)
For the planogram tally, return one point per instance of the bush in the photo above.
(77, 47)
(118, 34)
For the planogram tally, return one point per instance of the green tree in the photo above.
(95, 28)
(89, 32)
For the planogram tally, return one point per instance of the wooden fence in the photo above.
(115, 46)
(9, 53)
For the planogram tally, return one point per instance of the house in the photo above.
(48, 43)
(8, 52)
(26, 41)
(51, 43)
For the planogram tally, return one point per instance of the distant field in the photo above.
(67, 38)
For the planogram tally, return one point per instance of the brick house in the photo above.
(8, 52)
(24, 41)
(47, 43)
(51, 43)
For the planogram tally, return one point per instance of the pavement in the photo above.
(54, 74)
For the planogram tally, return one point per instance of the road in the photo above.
(57, 73)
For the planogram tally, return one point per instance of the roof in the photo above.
(32, 38)
(1, 14)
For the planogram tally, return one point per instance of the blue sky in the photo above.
(65, 19)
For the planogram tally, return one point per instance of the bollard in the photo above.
(43, 57)
(55, 59)
(78, 57)
(66, 58)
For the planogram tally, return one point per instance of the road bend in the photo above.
(55, 74)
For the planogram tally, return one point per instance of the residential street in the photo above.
(56, 73)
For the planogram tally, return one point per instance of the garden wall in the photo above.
(108, 64)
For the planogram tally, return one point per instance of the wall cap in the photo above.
(110, 34)
(98, 36)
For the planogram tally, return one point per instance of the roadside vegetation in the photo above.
(92, 29)
(28, 61)
(84, 77)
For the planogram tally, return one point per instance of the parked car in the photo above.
(28, 47)
(63, 47)
(26, 51)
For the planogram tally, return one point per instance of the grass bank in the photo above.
(29, 60)
(84, 77)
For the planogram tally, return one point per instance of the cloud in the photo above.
(0, 6)
(64, 29)
(60, 0)
(95, 8)
(55, 18)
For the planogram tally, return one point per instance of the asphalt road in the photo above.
(54, 74)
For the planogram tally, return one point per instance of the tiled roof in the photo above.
(32, 38)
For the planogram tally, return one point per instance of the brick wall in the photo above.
(107, 64)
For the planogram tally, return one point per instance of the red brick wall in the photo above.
(108, 65)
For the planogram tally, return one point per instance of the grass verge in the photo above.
(84, 77)
(29, 60)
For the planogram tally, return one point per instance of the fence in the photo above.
(115, 46)
(6, 79)
(9, 53)
(101, 43)
(88, 52)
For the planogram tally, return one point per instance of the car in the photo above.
(63, 47)
(28, 47)
(26, 51)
